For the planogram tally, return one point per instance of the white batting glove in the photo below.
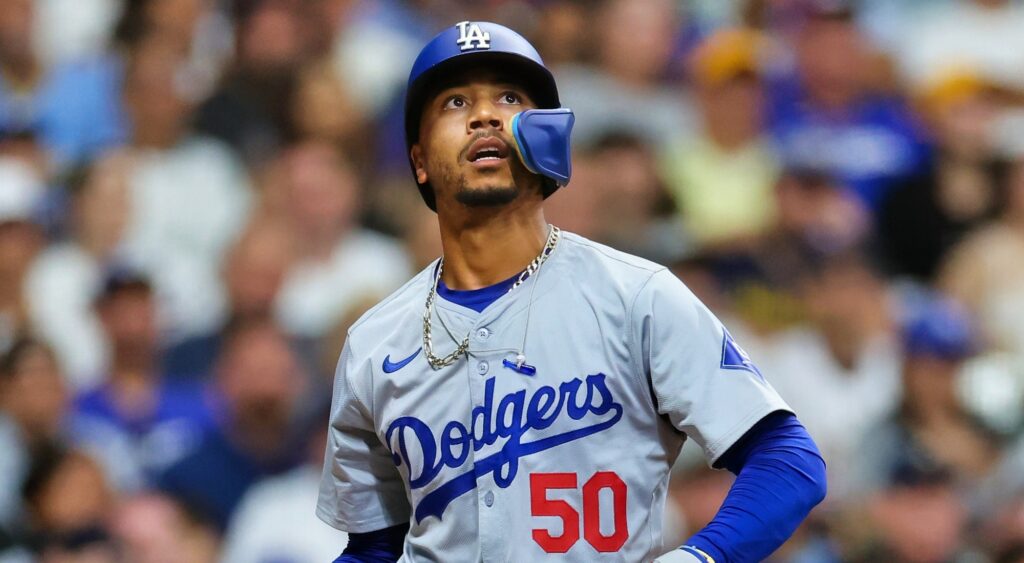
(686, 554)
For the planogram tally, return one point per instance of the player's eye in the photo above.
(455, 102)
(510, 98)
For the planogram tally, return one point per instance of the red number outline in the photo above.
(592, 514)
(540, 483)
(540, 505)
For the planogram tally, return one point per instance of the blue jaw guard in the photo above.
(542, 141)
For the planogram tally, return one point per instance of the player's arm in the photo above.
(708, 388)
(361, 490)
(780, 478)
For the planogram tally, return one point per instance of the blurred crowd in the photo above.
(198, 197)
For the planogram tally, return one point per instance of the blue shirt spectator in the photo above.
(260, 383)
(866, 145)
(162, 418)
(216, 475)
(161, 435)
(74, 109)
(832, 112)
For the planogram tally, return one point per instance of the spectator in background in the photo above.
(197, 29)
(65, 279)
(34, 413)
(71, 107)
(162, 418)
(250, 109)
(152, 528)
(190, 196)
(1002, 528)
(840, 370)
(422, 238)
(259, 384)
(337, 262)
(918, 518)
(562, 32)
(932, 427)
(253, 274)
(21, 239)
(979, 34)
(633, 210)
(32, 401)
(816, 218)
(273, 521)
(576, 208)
(986, 271)
(71, 30)
(633, 42)
(23, 147)
(697, 492)
(816, 214)
(826, 116)
(723, 179)
(256, 267)
(68, 503)
(887, 22)
(374, 46)
(923, 216)
(376, 43)
(322, 109)
(923, 459)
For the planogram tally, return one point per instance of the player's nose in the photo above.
(484, 115)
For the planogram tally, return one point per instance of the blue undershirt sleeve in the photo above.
(780, 478)
(379, 546)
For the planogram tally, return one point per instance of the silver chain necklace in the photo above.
(437, 363)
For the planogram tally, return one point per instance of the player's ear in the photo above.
(416, 154)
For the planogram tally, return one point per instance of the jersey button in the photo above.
(482, 334)
(482, 367)
(489, 499)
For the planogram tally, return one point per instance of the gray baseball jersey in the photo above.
(571, 463)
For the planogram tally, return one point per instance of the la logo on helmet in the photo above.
(472, 37)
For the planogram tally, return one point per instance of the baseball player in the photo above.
(524, 397)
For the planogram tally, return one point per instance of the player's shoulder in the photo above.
(601, 271)
(592, 260)
(395, 311)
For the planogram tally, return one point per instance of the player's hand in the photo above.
(684, 556)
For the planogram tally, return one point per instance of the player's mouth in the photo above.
(487, 152)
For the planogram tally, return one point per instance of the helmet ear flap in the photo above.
(542, 142)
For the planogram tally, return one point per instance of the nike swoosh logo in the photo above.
(390, 367)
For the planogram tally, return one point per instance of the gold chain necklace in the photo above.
(554, 235)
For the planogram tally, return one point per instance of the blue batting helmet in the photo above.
(542, 140)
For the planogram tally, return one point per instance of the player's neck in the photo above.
(481, 254)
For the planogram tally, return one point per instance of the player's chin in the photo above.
(490, 194)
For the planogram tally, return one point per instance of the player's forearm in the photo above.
(765, 506)
(782, 477)
(380, 546)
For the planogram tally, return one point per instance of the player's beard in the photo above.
(490, 196)
(481, 196)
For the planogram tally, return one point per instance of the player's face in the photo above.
(466, 150)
